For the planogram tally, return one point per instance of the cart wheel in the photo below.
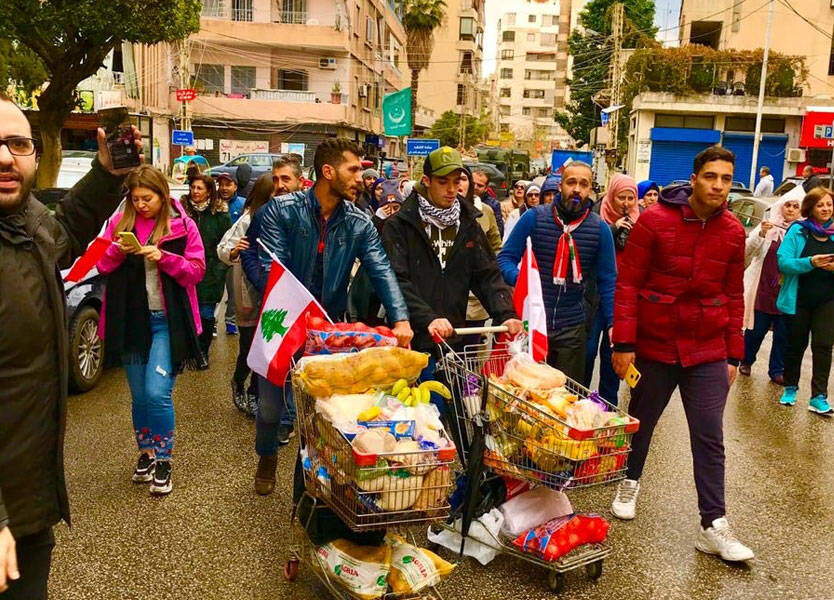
(556, 581)
(291, 569)
(594, 570)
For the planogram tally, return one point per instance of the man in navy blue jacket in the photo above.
(575, 253)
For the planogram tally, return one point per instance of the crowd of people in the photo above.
(662, 281)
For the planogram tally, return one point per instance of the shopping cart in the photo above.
(505, 432)
(367, 492)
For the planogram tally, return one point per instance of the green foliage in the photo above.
(447, 129)
(424, 14)
(20, 67)
(591, 51)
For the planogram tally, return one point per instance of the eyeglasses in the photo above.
(19, 146)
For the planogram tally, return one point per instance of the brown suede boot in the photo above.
(265, 475)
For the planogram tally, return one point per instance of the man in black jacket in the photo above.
(439, 253)
(34, 346)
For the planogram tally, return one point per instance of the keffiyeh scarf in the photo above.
(439, 217)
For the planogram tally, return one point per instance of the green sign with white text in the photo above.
(396, 112)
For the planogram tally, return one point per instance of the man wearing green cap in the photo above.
(439, 253)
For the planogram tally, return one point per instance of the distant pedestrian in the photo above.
(647, 194)
(806, 260)
(811, 179)
(227, 189)
(620, 212)
(551, 188)
(764, 189)
(208, 210)
(247, 298)
(34, 345)
(150, 320)
(678, 316)
(515, 199)
(532, 197)
(761, 289)
(481, 189)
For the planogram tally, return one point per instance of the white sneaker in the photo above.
(719, 539)
(625, 502)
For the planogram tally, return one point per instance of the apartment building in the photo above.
(531, 70)
(453, 77)
(273, 74)
(730, 24)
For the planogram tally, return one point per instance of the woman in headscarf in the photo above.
(531, 198)
(619, 210)
(761, 288)
(648, 193)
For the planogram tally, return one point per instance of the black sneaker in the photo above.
(285, 434)
(143, 472)
(162, 484)
(239, 398)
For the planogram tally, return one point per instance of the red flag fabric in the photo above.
(88, 260)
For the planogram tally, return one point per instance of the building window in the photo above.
(506, 73)
(242, 10)
(534, 94)
(548, 39)
(370, 25)
(505, 93)
(531, 18)
(508, 36)
(357, 23)
(243, 80)
(684, 121)
(537, 75)
(550, 20)
(526, 111)
(461, 97)
(504, 110)
(769, 124)
(531, 37)
(507, 54)
(504, 128)
(510, 18)
(292, 80)
(466, 62)
(376, 95)
(539, 57)
(293, 11)
(542, 113)
(210, 78)
(467, 28)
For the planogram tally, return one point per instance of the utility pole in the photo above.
(617, 18)
(184, 56)
(463, 112)
(760, 106)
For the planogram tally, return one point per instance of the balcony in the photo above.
(273, 105)
(283, 95)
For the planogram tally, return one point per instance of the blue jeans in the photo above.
(207, 311)
(753, 339)
(151, 386)
(598, 340)
(275, 408)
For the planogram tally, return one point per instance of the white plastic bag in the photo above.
(485, 529)
(531, 509)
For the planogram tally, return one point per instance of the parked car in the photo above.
(749, 209)
(86, 350)
(791, 182)
(497, 181)
(260, 162)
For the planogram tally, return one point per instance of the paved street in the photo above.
(214, 538)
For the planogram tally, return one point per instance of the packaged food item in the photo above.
(343, 409)
(358, 372)
(533, 508)
(400, 490)
(586, 414)
(523, 371)
(374, 441)
(557, 401)
(399, 429)
(414, 569)
(552, 540)
(324, 337)
(361, 570)
(435, 488)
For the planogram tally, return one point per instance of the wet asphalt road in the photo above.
(213, 538)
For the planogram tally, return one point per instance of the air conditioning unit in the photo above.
(797, 155)
(363, 90)
(327, 62)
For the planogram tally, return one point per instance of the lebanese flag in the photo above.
(282, 328)
(88, 260)
(529, 303)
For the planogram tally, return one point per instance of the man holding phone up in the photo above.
(34, 345)
(678, 312)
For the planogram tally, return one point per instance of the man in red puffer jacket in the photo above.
(678, 312)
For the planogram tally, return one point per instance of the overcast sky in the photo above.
(665, 17)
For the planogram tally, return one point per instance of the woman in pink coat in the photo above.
(151, 320)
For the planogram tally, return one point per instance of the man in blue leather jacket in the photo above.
(318, 235)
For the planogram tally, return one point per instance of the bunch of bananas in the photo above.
(412, 396)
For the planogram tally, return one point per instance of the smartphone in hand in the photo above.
(128, 238)
(122, 145)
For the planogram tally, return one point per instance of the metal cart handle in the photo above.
(472, 331)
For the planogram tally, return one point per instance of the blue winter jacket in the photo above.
(565, 305)
(236, 208)
(288, 226)
(792, 264)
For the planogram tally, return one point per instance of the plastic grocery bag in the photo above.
(531, 509)
(481, 541)
(362, 570)
(414, 569)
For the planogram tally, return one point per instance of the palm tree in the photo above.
(421, 19)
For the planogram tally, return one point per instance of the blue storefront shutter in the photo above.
(674, 149)
(771, 154)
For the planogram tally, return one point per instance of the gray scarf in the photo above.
(439, 217)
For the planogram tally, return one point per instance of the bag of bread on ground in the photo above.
(358, 372)
(361, 570)
(414, 569)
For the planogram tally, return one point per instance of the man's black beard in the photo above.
(571, 210)
(25, 190)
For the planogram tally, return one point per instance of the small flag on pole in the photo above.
(282, 328)
(529, 303)
(88, 260)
